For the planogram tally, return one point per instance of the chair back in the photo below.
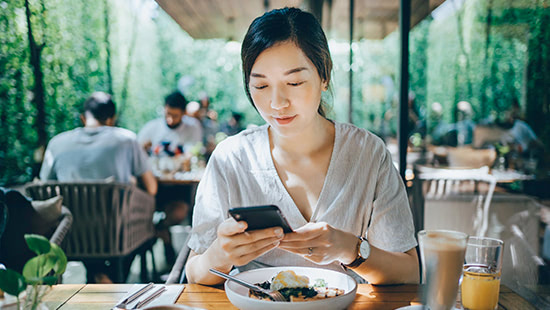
(437, 184)
(177, 273)
(110, 219)
(488, 134)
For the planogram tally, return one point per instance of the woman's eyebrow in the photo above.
(295, 70)
(291, 71)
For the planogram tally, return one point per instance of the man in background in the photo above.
(98, 151)
(174, 133)
(174, 130)
(520, 133)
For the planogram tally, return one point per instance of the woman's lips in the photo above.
(283, 120)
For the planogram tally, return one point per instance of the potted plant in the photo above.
(39, 273)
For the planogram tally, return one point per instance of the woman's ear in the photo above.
(325, 85)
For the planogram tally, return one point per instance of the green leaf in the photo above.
(34, 280)
(61, 263)
(12, 282)
(38, 244)
(50, 280)
(38, 266)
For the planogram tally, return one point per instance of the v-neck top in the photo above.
(362, 193)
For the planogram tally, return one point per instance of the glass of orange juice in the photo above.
(481, 279)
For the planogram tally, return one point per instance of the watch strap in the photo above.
(359, 259)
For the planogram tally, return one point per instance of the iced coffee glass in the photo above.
(482, 268)
(442, 253)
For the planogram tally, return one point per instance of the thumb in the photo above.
(231, 227)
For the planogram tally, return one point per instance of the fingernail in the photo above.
(278, 232)
(241, 225)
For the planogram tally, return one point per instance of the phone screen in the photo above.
(260, 217)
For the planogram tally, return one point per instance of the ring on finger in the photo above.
(309, 251)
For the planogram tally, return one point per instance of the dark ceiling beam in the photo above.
(402, 134)
(351, 14)
(315, 7)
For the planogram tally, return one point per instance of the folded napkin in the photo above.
(168, 297)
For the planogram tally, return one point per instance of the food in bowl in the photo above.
(296, 288)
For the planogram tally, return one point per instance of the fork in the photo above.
(124, 303)
(275, 295)
(147, 300)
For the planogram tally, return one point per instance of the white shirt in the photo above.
(187, 134)
(361, 186)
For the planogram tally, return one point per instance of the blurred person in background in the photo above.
(175, 133)
(233, 126)
(520, 134)
(98, 151)
(175, 128)
(210, 126)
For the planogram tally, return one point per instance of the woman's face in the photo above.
(286, 88)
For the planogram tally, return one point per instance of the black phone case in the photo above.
(260, 217)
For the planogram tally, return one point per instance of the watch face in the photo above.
(364, 249)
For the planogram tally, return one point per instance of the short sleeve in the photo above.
(140, 163)
(197, 133)
(211, 204)
(144, 134)
(391, 226)
(46, 171)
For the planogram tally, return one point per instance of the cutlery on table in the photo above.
(124, 303)
(147, 300)
(275, 295)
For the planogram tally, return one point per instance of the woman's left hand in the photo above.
(321, 243)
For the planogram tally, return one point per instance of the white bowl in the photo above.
(238, 295)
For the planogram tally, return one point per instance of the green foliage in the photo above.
(12, 282)
(487, 52)
(45, 268)
(38, 244)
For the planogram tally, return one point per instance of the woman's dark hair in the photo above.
(287, 24)
(101, 106)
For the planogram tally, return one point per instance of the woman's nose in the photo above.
(279, 99)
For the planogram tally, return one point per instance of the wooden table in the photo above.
(105, 296)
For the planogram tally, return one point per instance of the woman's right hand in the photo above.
(237, 247)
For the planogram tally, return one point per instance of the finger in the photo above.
(245, 249)
(245, 259)
(231, 227)
(309, 251)
(260, 234)
(301, 244)
(302, 236)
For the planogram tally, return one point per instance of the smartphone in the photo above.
(260, 217)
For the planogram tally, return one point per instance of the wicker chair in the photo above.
(177, 273)
(111, 221)
(15, 222)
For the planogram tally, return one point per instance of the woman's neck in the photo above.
(307, 142)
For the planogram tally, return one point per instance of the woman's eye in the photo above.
(296, 84)
(260, 86)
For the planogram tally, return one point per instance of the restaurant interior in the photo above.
(444, 83)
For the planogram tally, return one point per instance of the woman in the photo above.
(334, 182)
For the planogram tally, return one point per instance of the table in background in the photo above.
(105, 296)
(179, 186)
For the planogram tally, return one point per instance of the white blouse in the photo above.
(362, 193)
